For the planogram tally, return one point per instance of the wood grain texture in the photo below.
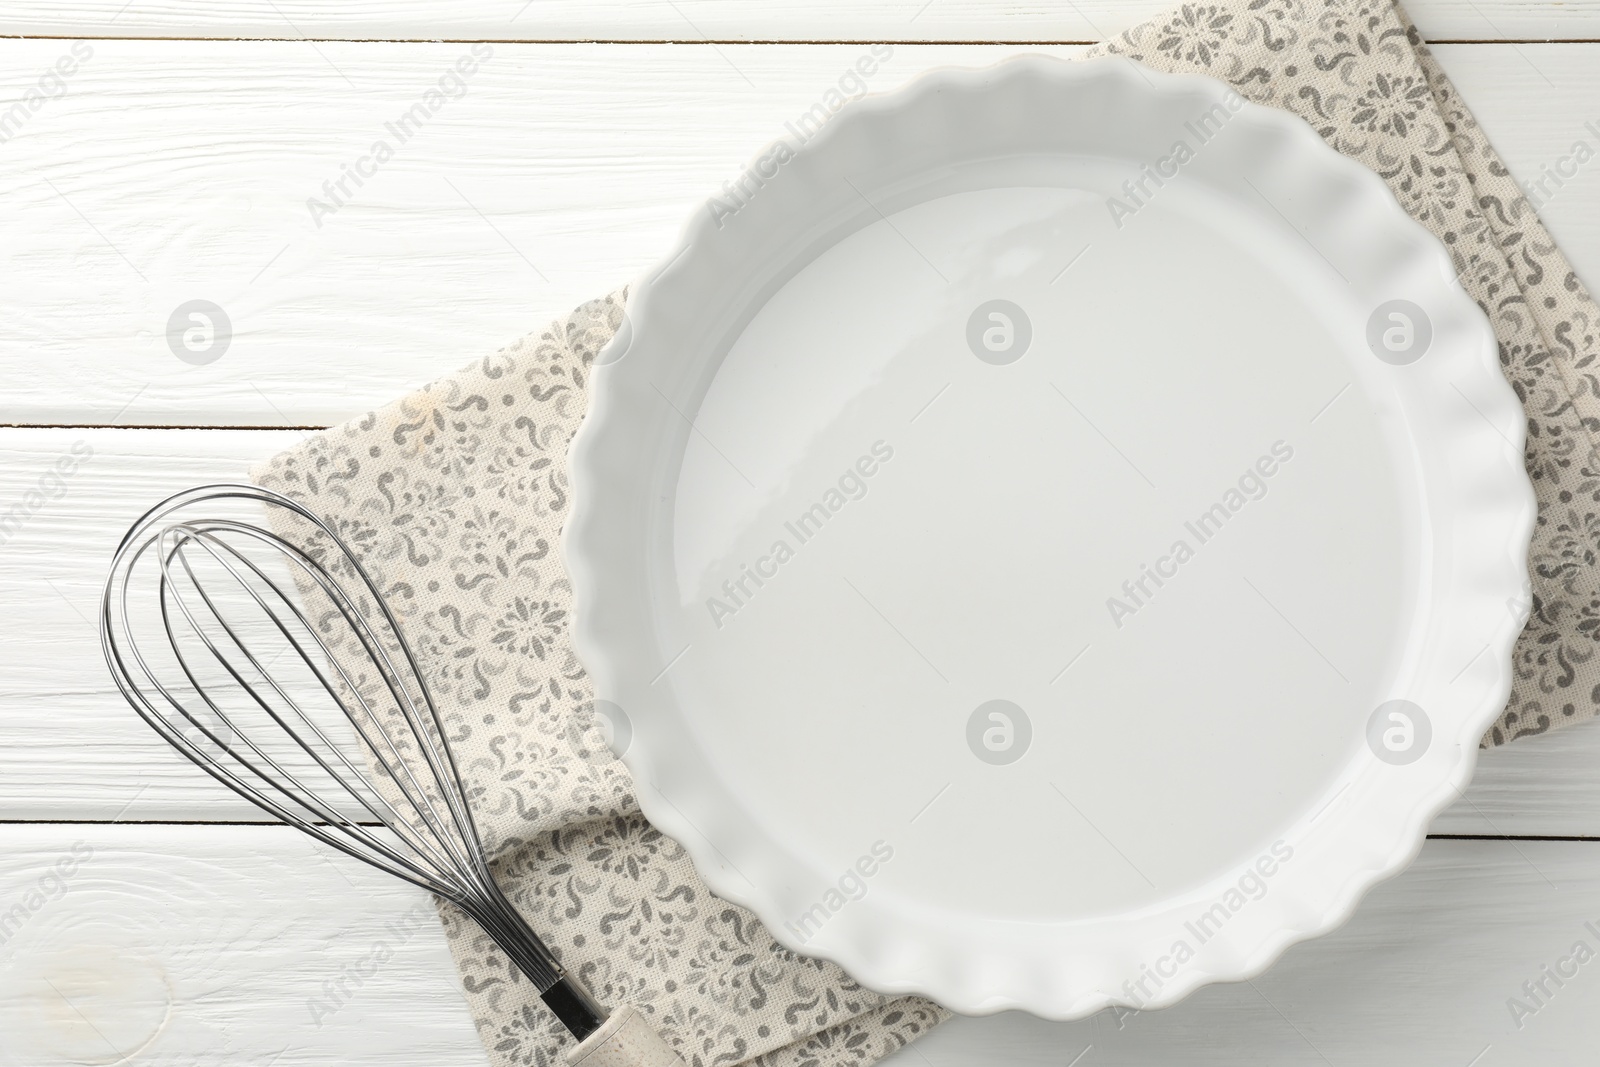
(720, 20)
(247, 946)
(70, 748)
(174, 171)
(228, 945)
(1421, 975)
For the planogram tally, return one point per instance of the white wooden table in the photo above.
(146, 916)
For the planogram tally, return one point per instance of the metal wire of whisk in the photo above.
(260, 688)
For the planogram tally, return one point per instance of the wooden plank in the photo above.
(71, 749)
(1543, 786)
(1421, 975)
(213, 945)
(696, 20)
(222, 945)
(174, 171)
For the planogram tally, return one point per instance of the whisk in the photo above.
(257, 687)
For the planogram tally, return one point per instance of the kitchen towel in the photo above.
(455, 497)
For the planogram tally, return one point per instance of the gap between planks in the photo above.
(1024, 42)
(1561, 838)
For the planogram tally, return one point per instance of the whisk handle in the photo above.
(624, 1040)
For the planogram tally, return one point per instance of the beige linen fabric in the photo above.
(455, 497)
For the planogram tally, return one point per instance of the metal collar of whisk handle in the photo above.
(566, 997)
(620, 1039)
